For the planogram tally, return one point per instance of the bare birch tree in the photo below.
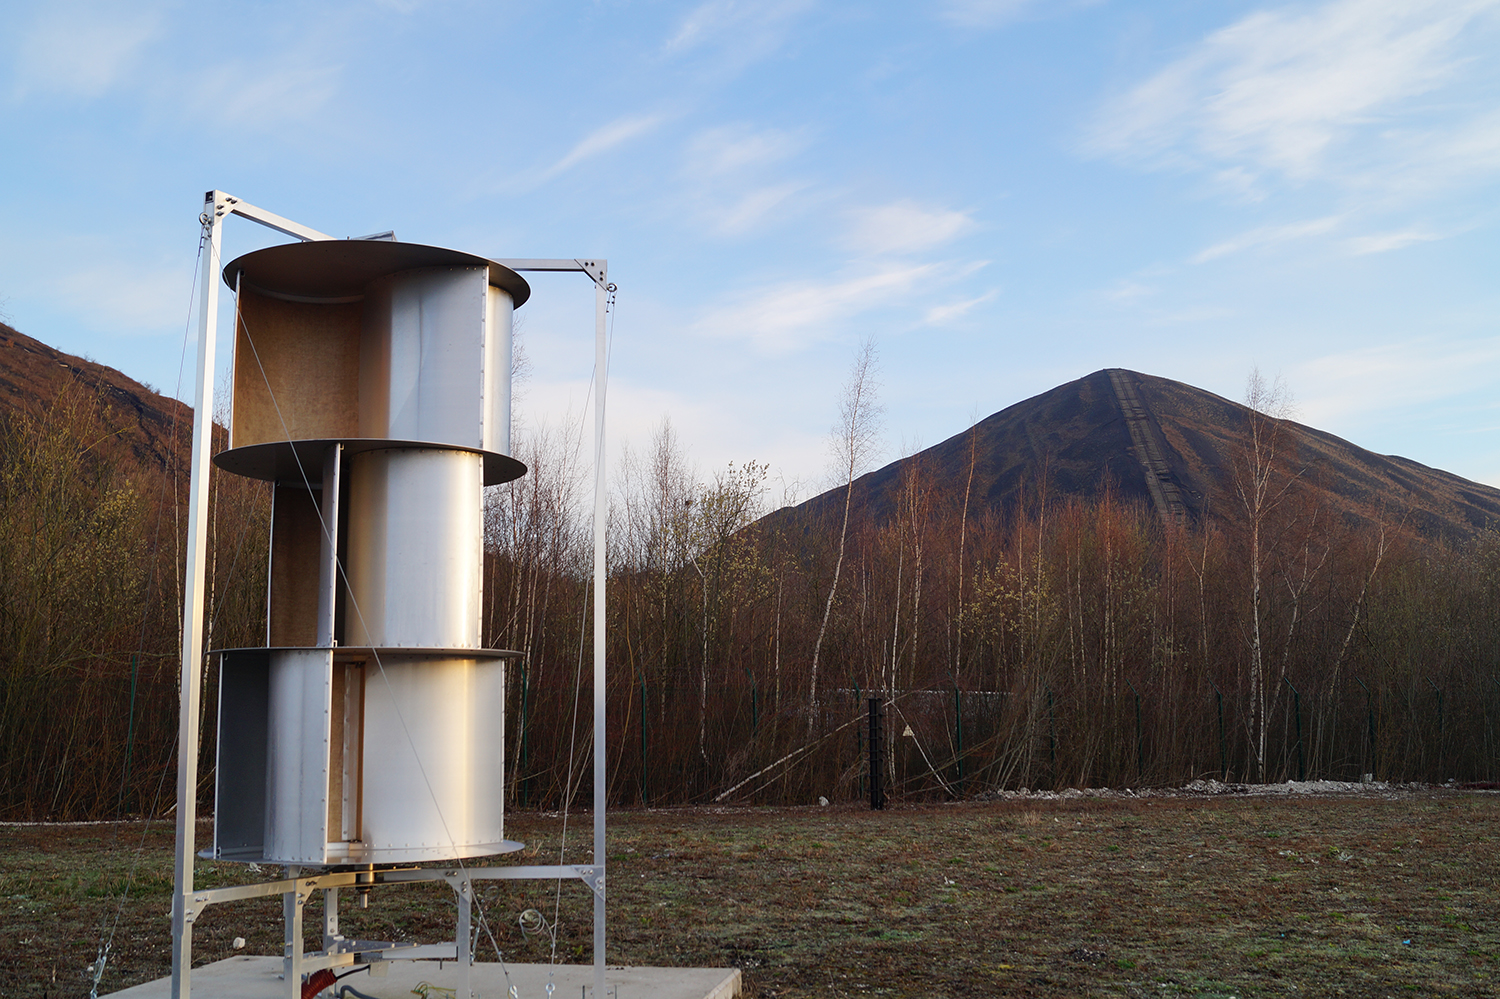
(1260, 484)
(853, 441)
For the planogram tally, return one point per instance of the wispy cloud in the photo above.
(733, 149)
(939, 315)
(603, 139)
(1386, 241)
(1126, 290)
(1267, 236)
(754, 209)
(293, 87)
(983, 13)
(730, 177)
(1340, 387)
(83, 49)
(737, 31)
(1281, 91)
(783, 318)
(1436, 156)
(904, 227)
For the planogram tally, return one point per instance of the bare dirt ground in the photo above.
(1351, 891)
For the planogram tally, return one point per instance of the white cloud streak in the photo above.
(1388, 241)
(1267, 236)
(940, 315)
(904, 227)
(144, 298)
(1125, 291)
(732, 149)
(983, 13)
(786, 317)
(738, 32)
(729, 177)
(1282, 91)
(755, 209)
(1371, 380)
(603, 139)
(83, 49)
(264, 95)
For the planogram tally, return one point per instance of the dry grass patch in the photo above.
(1230, 896)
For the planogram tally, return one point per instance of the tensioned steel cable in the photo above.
(101, 961)
(568, 789)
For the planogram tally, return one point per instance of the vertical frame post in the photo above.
(601, 367)
(598, 271)
(189, 689)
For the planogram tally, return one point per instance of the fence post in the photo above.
(877, 787)
(1223, 744)
(859, 740)
(1297, 702)
(1052, 720)
(958, 732)
(1489, 726)
(1370, 716)
(645, 798)
(1140, 741)
(1442, 763)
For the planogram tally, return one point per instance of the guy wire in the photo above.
(101, 961)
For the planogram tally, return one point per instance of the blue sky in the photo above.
(1004, 194)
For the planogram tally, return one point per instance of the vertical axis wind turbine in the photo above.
(372, 388)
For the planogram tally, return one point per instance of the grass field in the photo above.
(1230, 895)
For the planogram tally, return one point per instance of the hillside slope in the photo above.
(1166, 445)
(32, 374)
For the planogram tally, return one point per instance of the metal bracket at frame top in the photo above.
(598, 270)
(217, 205)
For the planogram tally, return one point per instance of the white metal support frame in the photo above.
(216, 207)
(187, 903)
(598, 270)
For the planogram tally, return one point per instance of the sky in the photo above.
(1003, 195)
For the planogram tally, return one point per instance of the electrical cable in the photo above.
(349, 990)
(569, 790)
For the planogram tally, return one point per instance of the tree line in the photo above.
(1064, 642)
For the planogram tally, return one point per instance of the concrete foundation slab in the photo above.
(260, 978)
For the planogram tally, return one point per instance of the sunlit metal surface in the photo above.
(434, 746)
(415, 548)
(372, 385)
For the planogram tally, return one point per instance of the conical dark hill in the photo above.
(1166, 445)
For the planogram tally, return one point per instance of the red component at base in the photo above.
(317, 982)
